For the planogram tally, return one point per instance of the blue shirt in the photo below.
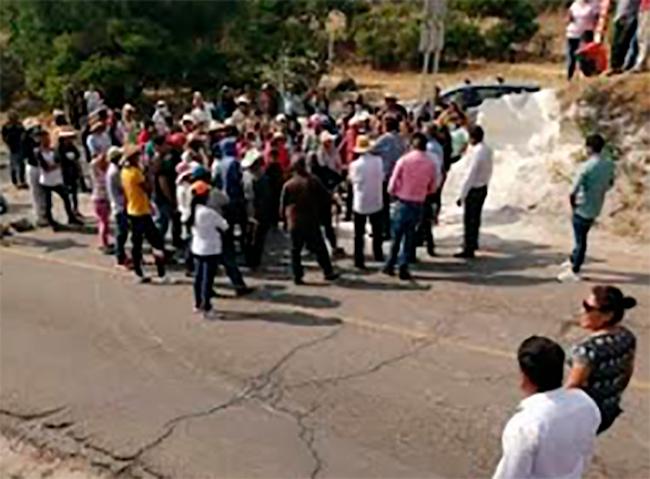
(595, 177)
(390, 148)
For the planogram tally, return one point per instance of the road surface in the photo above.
(367, 377)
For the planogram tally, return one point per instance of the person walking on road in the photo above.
(367, 177)
(552, 434)
(12, 136)
(207, 227)
(475, 190)
(595, 177)
(302, 196)
(602, 363)
(412, 180)
(138, 208)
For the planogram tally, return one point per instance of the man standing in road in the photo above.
(302, 196)
(367, 176)
(390, 148)
(12, 135)
(595, 177)
(413, 178)
(552, 433)
(475, 189)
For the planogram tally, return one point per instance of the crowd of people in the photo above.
(586, 29)
(205, 187)
(258, 165)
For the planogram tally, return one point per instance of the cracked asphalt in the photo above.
(368, 377)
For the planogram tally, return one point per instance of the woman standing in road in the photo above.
(207, 226)
(603, 362)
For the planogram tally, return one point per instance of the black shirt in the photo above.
(12, 135)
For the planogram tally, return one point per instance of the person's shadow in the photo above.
(291, 318)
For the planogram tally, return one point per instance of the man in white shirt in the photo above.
(366, 174)
(475, 189)
(553, 431)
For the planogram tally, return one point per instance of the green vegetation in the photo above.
(125, 46)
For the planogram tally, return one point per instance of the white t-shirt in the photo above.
(367, 177)
(206, 239)
(53, 177)
(93, 100)
(584, 15)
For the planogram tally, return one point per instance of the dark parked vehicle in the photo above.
(471, 96)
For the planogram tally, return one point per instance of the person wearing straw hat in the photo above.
(138, 208)
(68, 156)
(367, 177)
(242, 113)
(98, 140)
(302, 195)
(127, 127)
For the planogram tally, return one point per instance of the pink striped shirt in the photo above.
(414, 177)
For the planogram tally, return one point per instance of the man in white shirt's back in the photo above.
(553, 431)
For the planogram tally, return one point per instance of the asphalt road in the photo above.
(368, 377)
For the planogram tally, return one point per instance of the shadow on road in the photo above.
(48, 245)
(290, 318)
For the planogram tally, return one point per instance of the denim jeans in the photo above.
(17, 164)
(572, 45)
(205, 269)
(624, 29)
(122, 227)
(581, 227)
(405, 221)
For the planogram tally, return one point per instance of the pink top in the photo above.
(645, 5)
(414, 177)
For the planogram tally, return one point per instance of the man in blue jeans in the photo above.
(595, 177)
(412, 180)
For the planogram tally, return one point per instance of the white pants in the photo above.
(38, 196)
(643, 37)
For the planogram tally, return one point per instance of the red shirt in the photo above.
(595, 52)
(283, 156)
(143, 137)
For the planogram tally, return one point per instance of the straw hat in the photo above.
(58, 112)
(129, 151)
(113, 153)
(128, 107)
(251, 157)
(278, 135)
(363, 144)
(187, 118)
(242, 99)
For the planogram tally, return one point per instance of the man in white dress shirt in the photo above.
(553, 431)
(475, 189)
(367, 177)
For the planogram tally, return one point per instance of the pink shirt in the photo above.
(414, 177)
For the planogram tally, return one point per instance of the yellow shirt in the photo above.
(137, 201)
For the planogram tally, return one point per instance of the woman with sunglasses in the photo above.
(603, 362)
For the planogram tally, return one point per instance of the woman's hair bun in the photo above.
(628, 302)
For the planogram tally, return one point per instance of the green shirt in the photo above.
(594, 178)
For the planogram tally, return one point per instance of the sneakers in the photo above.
(569, 277)
(567, 264)
(166, 280)
(212, 315)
